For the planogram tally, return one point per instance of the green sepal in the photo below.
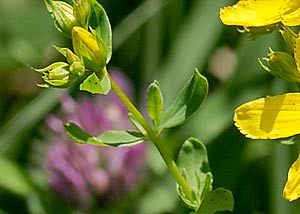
(187, 102)
(113, 138)
(193, 164)
(100, 22)
(281, 65)
(95, 85)
(256, 32)
(217, 200)
(154, 102)
(289, 37)
(57, 74)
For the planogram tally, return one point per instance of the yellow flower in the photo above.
(291, 189)
(90, 48)
(269, 118)
(258, 13)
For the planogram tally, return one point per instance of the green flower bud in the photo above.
(56, 74)
(90, 48)
(70, 56)
(281, 65)
(77, 68)
(82, 10)
(62, 14)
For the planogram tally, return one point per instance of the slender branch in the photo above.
(154, 138)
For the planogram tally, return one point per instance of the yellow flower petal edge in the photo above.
(269, 118)
(297, 51)
(258, 13)
(293, 18)
(291, 189)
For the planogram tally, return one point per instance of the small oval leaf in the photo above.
(120, 138)
(154, 102)
(100, 22)
(193, 163)
(76, 133)
(110, 138)
(187, 102)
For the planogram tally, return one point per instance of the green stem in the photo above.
(154, 138)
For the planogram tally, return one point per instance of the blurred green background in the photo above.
(152, 39)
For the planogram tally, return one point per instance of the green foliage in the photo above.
(154, 102)
(14, 178)
(217, 200)
(110, 138)
(100, 22)
(186, 103)
(193, 162)
(95, 85)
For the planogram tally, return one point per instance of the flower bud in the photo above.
(281, 65)
(56, 74)
(70, 56)
(62, 14)
(82, 9)
(77, 68)
(90, 48)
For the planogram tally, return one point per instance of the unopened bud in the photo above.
(70, 56)
(88, 46)
(62, 14)
(77, 68)
(56, 74)
(82, 9)
(281, 65)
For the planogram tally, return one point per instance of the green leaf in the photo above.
(13, 178)
(110, 138)
(121, 137)
(94, 85)
(187, 103)
(76, 133)
(136, 123)
(217, 200)
(154, 102)
(193, 163)
(100, 22)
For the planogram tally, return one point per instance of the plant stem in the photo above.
(154, 138)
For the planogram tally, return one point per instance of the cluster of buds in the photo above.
(90, 50)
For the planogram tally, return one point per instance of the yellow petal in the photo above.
(251, 13)
(291, 16)
(291, 189)
(269, 118)
(258, 13)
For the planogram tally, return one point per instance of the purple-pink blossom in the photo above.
(83, 173)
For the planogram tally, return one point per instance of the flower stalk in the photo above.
(151, 135)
